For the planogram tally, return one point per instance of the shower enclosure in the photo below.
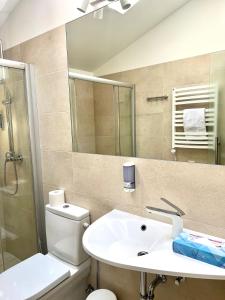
(20, 229)
(103, 115)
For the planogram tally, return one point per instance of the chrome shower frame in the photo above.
(35, 148)
(10, 156)
(116, 85)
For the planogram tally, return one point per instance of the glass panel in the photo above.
(101, 116)
(18, 227)
(1, 241)
(218, 80)
(125, 120)
(105, 119)
(93, 117)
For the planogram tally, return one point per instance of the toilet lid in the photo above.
(32, 278)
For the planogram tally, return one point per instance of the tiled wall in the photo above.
(95, 181)
(105, 119)
(154, 118)
(97, 109)
(82, 104)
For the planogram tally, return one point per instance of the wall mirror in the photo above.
(134, 92)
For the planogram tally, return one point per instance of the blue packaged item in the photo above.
(208, 250)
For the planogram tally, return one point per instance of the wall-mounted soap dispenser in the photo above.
(129, 177)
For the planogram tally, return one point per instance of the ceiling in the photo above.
(6, 7)
(92, 42)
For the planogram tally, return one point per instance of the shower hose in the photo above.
(8, 160)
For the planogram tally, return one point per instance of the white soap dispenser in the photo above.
(129, 177)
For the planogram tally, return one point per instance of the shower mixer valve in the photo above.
(10, 156)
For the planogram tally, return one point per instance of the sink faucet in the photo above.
(174, 215)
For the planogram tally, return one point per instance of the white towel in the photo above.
(194, 120)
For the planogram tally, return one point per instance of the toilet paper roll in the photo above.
(56, 197)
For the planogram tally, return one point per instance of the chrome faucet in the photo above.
(177, 227)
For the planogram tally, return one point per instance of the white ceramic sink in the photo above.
(117, 238)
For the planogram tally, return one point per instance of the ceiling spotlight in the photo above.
(125, 4)
(83, 5)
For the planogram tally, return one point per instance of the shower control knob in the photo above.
(11, 156)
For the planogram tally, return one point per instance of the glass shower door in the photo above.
(17, 208)
(125, 122)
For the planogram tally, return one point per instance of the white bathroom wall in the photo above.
(35, 17)
(181, 35)
(197, 28)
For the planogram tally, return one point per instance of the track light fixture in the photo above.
(125, 4)
(83, 5)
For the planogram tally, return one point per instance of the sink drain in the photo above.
(143, 227)
(141, 253)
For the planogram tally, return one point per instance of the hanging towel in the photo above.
(194, 120)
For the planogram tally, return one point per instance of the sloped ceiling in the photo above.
(6, 6)
(92, 42)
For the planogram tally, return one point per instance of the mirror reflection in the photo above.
(124, 103)
(102, 116)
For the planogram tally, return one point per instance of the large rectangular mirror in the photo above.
(122, 103)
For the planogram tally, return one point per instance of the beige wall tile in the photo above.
(105, 145)
(84, 97)
(149, 146)
(82, 103)
(85, 125)
(150, 125)
(187, 71)
(103, 100)
(154, 120)
(52, 93)
(55, 131)
(57, 169)
(13, 53)
(105, 126)
(46, 52)
(182, 183)
(86, 144)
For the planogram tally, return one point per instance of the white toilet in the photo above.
(102, 294)
(60, 274)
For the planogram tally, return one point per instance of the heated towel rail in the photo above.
(194, 97)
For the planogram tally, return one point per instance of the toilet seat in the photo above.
(102, 294)
(32, 278)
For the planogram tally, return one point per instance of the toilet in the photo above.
(102, 294)
(60, 274)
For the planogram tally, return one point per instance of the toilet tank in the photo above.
(64, 231)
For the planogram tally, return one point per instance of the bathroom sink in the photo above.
(128, 241)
